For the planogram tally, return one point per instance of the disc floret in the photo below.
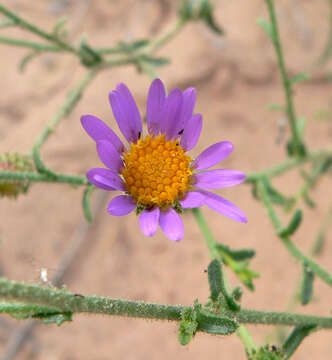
(156, 171)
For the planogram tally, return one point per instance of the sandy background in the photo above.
(235, 76)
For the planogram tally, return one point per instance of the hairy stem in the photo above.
(62, 300)
(297, 142)
(242, 331)
(293, 250)
(19, 21)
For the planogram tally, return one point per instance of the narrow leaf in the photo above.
(266, 26)
(217, 325)
(86, 203)
(27, 59)
(187, 331)
(293, 225)
(215, 279)
(300, 77)
(295, 339)
(307, 285)
(237, 255)
(274, 106)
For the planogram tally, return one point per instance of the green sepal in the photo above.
(307, 285)
(293, 224)
(215, 279)
(140, 208)
(236, 255)
(217, 325)
(295, 339)
(86, 203)
(177, 207)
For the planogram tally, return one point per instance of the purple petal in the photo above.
(155, 103)
(213, 155)
(121, 205)
(126, 113)
(109, 156)
(98, 130)
(171, 224)
(215, 179)
(189, 101)
(193, 199)
(224, 207)
(128, 97)
(105, 179)
(171, 113)
(191, 132)
(149, 220)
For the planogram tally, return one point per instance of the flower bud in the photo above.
(14, 163)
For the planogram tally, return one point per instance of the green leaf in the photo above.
(300, 124)
(89, 57)
(236, 255)
(217, 325)
(215, 279)
(246, 276)
(295, 339)
(58, 25)
(266, 26)
(307, 285)
(58, 319)
(155, 61)
(293, 224)
(27, 59)
(300, 77)
(308, 200)
(86, 203)
(206, 14)
(187, 331)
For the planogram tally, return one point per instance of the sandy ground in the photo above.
(236, 76)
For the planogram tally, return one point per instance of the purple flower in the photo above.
(154, 172)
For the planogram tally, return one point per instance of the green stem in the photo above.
(169, 34)
(25, 309)
(36, 177)
(29, 44)
(34, 29)
(285, 79)
(288, 165)
(318, 244)
(67, 107)
(294, 251)
(242, 331)
(207, 234)
(64, 301)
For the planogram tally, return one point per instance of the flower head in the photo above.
(154, 172)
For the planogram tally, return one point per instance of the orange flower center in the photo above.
(156, 171)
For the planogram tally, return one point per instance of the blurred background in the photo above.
(236, 76)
